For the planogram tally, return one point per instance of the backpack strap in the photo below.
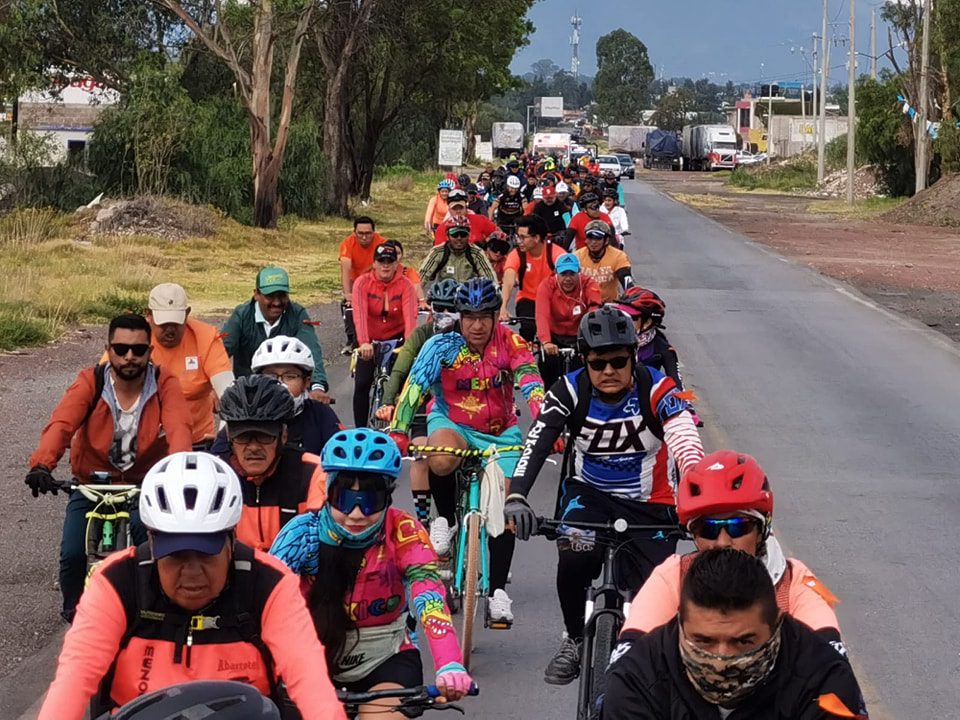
(577, 418)
(99, 378)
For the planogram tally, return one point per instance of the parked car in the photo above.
(629, 169)
(610, 162)
(745, 157)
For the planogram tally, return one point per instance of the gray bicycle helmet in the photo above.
(442, 295)
(478, 295)
(208, 699)
(605, 329)
(256, 399)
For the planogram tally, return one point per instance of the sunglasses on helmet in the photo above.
(617, 363)
(369, 501)
(736, 527)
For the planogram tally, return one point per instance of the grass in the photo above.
(799, 173)
(861, 210)
(55, 276)
(705, 201)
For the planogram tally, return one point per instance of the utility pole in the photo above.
(852, 101)
(923, 142)
(873, 43)
(824, 69)
(813, 94)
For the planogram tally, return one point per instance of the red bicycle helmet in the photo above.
(642, 304)
(724, 481)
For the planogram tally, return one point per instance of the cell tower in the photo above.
(576, 22)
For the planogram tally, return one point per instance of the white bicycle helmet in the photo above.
(191, 492)
(563, 187)
(282, 350)
(513, 181)
(538, 193)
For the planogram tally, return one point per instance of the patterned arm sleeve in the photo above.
(437, 352)
(526, 375)
(298, 545)
(679, 432)
(420, 567)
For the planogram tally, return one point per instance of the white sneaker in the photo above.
(440, 535)
(498, 607)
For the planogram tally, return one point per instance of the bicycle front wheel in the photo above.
(606, 630)
(471, 580)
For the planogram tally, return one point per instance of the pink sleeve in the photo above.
(658, 600)
(420, 567)
(409, 308)
(360, 309)
(300, 660)
(89, 649)
(808, 599)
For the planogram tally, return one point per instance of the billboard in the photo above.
(450, 152)
(551, 107)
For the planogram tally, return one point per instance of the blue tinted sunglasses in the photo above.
(736, 527)
(369, 501)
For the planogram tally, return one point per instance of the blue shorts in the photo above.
(477, 440)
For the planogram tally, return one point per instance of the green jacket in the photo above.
(243, 335)
(404, 361)
(442, 263)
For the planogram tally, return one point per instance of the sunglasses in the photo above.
(121, 349)
(592, 206)
(260, 438)
(369, 501)
(617, 363)
(736, 527)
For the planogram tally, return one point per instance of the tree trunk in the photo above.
(469, 132)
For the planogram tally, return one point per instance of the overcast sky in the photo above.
(694, 38)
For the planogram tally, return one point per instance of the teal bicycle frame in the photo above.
(469, 480)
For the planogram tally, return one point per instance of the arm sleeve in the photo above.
(401, 366)
(624, 276)
(360, 309)
(437, 352)
(526, 375)
(175, 414)
(300, 660)
(64, 421)
(838, 696)
(89, 649)
(627, 695)
(409, 308)
(542, 312)
(542, 435)
(308, 336)
(658, 600)
(683, 441)
(420, 567)
(230, 332)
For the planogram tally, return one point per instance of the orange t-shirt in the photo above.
(410, 273)
(658, 601)
(199, 356)
(604, 271)
(537, 270)
(361, 258)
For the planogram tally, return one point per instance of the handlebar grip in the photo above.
(434, 692)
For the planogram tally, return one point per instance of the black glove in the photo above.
(41, 481)
(519, 512)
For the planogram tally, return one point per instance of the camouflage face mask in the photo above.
(727, 679)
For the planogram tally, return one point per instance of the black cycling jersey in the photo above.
(509, 209)
(552, 215)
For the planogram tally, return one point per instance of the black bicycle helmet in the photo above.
(442, 295)
(478, 295)
(256, 399)
(587, 199)
(610, 192)
(208, 699)
(605, 329)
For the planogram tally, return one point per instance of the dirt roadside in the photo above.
(911, 269)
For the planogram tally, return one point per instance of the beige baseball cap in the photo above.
(168, 304)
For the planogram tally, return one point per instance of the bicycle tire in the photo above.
(471, 579)
(606, 630)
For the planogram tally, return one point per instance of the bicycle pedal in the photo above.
(499, 624)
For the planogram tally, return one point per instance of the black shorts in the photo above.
(584, 503)
(418, 428)
(404, 669)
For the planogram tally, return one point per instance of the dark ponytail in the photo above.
(328, 597)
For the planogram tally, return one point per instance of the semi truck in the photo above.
(709, 147)
(662, 150)
(506, 138)
(556, 143)
(629, 138)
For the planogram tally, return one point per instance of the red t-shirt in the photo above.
(579, 221)
(480, 229)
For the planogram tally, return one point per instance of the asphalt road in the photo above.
(851, 410)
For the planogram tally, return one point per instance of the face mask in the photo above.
(444, 321)
(726, 679)
(646, 337)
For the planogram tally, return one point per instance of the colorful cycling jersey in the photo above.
(622, 448)
(401, 564)
(472, 390)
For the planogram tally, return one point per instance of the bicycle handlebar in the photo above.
(551, 527)
(462, 452)
(423, 692)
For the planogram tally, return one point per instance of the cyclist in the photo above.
(608, 266)
(356, 258)
(616, 213)
(480, 225)
(496, 247)
(471, 375)
(443, 297)
(409, 272)
(475, 201)
(551, 211)
(359, 560)
(437, 207)
(624, 422)
(385, 305)
(725, 500)
(278, 480)
(562, 301)
(569, 204)
(589, 210)
(731, 652)
(271, 312)
(508, 207)
(191, 350)
(647, 311)
(119, 418)
(193, 603)
(457, 258)
(514, 169)
(526, 267)
(608, 182)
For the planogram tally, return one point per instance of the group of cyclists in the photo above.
(268, 548)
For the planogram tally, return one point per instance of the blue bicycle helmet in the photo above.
(446, 185)
(478, 295)
(442, 295)
(361, 450)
